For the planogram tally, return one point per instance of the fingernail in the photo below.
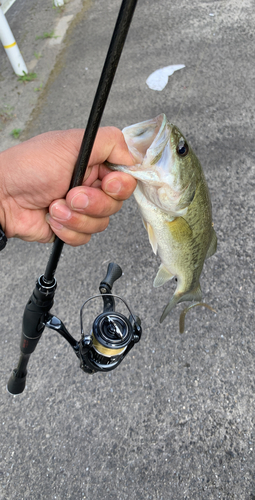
(53, 223)
(113, 186)
(80, 201)
(61, 212)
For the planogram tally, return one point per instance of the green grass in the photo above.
(46, 35)
(37, 89)
(37, 55)
(16, 133)
(6, 113)
(27, 77)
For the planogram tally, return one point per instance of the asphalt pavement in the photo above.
(175, 421)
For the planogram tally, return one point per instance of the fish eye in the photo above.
(182, 148)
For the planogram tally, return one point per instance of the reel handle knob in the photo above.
(114, 272)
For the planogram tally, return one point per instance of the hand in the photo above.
(35, 177)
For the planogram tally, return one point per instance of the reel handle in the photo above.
(114, 272)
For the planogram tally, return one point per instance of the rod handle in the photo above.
(16, 385)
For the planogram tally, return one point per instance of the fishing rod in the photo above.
(112, 334)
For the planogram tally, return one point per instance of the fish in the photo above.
(174, 201)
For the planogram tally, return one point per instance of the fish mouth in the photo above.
(148, 139)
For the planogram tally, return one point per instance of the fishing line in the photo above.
(184, 312)
(213, 30)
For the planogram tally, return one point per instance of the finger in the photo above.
(79, 222)
(110, 145)
(106, 201)
(118, 185)
(68, 236)
(115, 187)
(92, 202)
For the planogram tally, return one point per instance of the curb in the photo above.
(19, 99)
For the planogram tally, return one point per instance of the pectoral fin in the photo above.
(162, 277)
(213, 245)
(180, 229)
(151, 235)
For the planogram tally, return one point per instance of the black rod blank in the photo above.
(112, 59)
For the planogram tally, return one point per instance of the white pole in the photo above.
(6, 4)
(11, 47)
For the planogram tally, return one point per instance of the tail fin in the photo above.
(194, 294)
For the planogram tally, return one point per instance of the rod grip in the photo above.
(33, 325)
(16, 385)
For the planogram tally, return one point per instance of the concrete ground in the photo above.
(176, 419)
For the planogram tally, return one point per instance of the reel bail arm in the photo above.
(113, 334)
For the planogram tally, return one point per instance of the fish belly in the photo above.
(174, 252)
(181, 246)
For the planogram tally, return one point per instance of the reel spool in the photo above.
(111, 338)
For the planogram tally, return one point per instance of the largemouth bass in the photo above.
(174, 202)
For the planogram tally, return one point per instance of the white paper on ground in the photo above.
(159, 78)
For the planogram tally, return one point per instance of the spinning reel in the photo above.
(111, 337)
(112, 334)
